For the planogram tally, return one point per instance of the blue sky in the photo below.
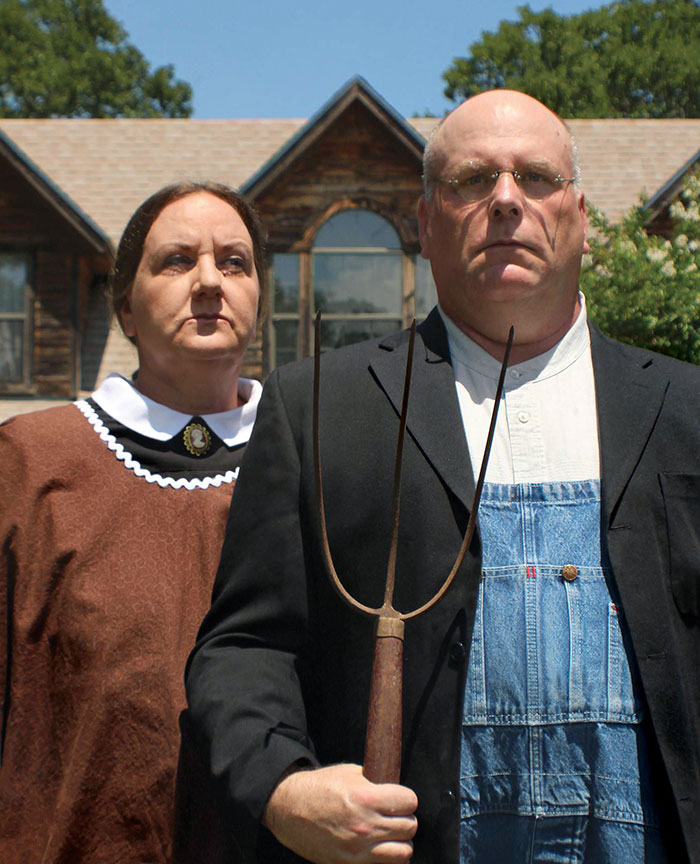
(278, 58)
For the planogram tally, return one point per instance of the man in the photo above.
(552, 698)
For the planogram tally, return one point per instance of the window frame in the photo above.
(24, 384)
(304, 315)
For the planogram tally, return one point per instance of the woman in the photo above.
(112, 512)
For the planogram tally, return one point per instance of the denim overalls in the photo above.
(554, 761)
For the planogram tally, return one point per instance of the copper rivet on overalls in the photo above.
(569, 572)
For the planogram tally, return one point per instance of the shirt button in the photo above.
(457, 655)
(515, 374)
(569, 572)
(448, 799)
(523, 416)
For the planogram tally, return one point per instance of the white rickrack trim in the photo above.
(129, 462)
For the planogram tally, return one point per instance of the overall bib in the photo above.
(554, 759)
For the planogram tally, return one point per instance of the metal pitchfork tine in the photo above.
(382, 761)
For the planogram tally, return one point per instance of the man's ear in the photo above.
(423, 211)
(584, 217)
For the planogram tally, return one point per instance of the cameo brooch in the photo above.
(197, 439)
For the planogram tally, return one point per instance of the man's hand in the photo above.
(334, 815)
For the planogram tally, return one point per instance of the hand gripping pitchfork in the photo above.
(382, 762)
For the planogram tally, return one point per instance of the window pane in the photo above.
(335, 334)
(14, 275)
(357, 282)
(359, 228)
(11, 350)
(286, 340)
(426, 296)
(286, 270)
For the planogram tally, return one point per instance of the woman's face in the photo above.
(195, 294)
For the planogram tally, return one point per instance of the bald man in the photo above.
(552, 698)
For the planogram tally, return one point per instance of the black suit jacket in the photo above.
(280, 673)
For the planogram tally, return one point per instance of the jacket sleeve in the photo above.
(243, 689)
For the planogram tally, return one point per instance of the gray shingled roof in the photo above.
(107, 167)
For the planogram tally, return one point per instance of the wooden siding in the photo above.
(356, 162)
(53, 326)
(63, 265)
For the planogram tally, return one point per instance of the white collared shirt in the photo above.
(547, 427)
(122, 401)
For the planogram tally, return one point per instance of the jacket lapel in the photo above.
(629, 395)
(434, 419)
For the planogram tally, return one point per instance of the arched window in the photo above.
(360, 278)
(357, 278)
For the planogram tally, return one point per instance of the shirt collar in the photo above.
(122, 401)
(567, 350)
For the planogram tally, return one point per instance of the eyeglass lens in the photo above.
(477, 185)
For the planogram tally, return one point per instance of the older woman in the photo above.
(112, 512)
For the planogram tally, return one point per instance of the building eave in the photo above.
(67, 209)
(669, 190)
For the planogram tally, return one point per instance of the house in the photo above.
(337, 193)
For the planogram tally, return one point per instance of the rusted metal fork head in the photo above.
(382, 762)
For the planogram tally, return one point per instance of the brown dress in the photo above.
(104, 578)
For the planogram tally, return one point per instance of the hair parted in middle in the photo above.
(131, 245)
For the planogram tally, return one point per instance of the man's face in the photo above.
(507, 251)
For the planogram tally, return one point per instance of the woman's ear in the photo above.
(126, 316)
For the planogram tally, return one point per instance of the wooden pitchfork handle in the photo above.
(382, 760)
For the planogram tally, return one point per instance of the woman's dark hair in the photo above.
(132, 242)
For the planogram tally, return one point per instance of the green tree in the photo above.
(70, 58)
(645, 289)
(632, 58)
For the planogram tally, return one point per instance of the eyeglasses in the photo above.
(475, 182)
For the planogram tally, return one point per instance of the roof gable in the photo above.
(109, 167)
(354, 91)
(670, 189)
(55, 197)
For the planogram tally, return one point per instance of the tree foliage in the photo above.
(632, 58)
(645, 289)
(70, 58)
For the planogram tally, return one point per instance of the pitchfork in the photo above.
(382, 761)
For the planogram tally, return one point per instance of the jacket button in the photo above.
(569, 572)
(457, 655)
(448, 799)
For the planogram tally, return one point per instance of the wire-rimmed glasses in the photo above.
(474, 182)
